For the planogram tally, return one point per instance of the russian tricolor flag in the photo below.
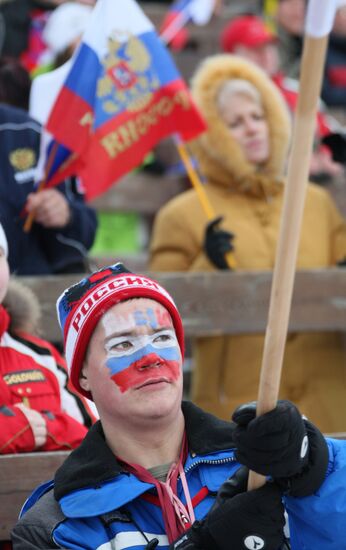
(122, 95)
(56, 162)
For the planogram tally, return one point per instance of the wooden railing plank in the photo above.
(139, 192)
(226, 303)
(19, 475)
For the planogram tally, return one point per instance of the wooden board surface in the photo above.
(226, 303)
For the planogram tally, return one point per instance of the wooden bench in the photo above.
(210, 304)
(139, 192)
(19, 475)
(224, 303)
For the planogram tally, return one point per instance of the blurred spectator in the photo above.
(15, 83)
(64, 227)
(334, 84)
(289, 18)
(21, 26)
(243, 155)
(15, 24)
(249, 37)
(69, 224)
(38, 408)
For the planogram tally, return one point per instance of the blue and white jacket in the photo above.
(42, 250)
(97, 505)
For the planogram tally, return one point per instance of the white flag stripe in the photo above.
(201, 11)
(44, 91)
(112, 15)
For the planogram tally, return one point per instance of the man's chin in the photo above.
(160, 405)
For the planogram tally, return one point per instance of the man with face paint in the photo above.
(156, 472)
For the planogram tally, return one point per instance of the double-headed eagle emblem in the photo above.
(129, 79)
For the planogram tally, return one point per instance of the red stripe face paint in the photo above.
(157, 371)
(142, 355)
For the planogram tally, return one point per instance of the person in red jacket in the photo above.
(38, 409)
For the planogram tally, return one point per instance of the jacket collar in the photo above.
(93, 462)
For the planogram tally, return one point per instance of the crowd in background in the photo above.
(247, 91)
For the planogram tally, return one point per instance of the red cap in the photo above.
(247, 30)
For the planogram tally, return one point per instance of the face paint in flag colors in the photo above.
(143, 350)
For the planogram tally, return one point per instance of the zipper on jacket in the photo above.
(217, 461)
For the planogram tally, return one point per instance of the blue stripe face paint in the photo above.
(142, 346)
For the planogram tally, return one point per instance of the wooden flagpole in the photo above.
(30, 218)
(314, 51)
(202, 195)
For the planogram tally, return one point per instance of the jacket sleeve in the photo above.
(83, 221)
(34, 530)
(68, 426)
(71, 401)
(64, 432)
(69, 246)
(67, 415)
(16, 436)
(177, 240)
(15, 432)
(318, 521)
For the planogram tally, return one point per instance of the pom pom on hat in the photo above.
(3, 241)
(66, 23)
(81, 306)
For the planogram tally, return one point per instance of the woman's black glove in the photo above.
(238, 520)
(283, 445)
(217, 243)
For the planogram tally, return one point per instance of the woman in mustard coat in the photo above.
(243, 156)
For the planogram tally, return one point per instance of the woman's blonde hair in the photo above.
(237, 86)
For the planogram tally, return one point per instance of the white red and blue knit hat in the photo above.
(3, 241)
(81, 306)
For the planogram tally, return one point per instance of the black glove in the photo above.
(217, 243)
(283, 445)
(337, 144)
(253, 519)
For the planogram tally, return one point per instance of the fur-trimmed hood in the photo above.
(220, 158)
(23, 307)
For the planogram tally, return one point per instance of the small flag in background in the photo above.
(122, 95)
(180, 13)
(56, 162)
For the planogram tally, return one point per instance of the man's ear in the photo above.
(83, 378)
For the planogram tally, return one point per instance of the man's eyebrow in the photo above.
(128, 333)
(120, 334)
(163, 327)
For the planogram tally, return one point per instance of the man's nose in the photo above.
(149, 360)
